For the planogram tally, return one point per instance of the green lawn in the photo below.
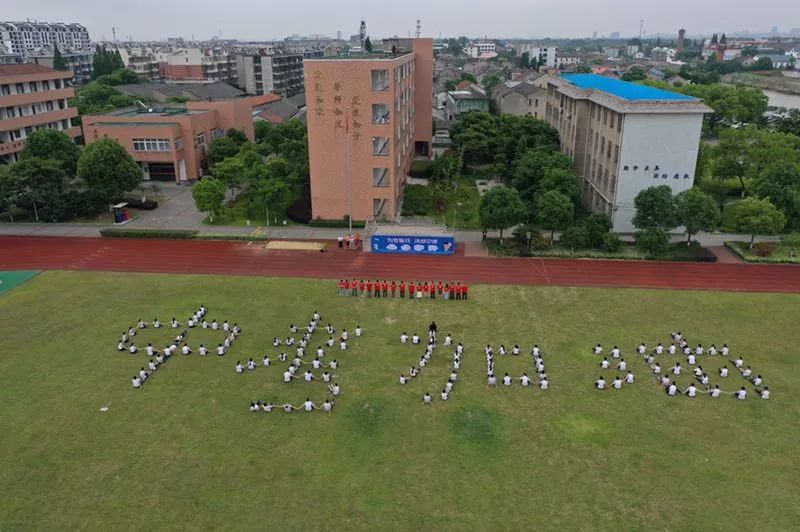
(783, 253)
(184, 453)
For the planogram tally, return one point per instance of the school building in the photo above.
(368, 116)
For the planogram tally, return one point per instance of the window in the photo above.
(611, 120)
(605, 116)
(380, 146)
(46, 85)
(151, 145)
(616, 155)
(380, 113)
(380, 177)
(200, 140)
(378, 206)
(380, 80)
(178, 144)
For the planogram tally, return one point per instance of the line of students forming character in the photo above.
(393, 289)
(524, 380)
(424, 360)
(679, 343)
(317, 363)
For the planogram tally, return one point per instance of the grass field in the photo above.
(184, 452)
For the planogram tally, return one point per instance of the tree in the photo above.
(501, 208)
(762, 63)
(597, 226)
(697, 211)
(237, 136)
(108, 169)
(58, 60)
(555, 211)
(271, 192)
(39, 181)
(575, 237)
(790, 123)
(208, 194)
(653, 241)
(655, 209)
(368, 45)
(758, 217)
(780, 183)
(490, 82)
(10, 190)
(221, 148)
(634, 74)
(562, 180)
(50, 143)
(749, 51)
(533, 165)
(230, 171)
(525, 60)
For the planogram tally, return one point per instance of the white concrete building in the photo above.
(545, 55)
(477, 49)
(26, 37)
(624, 138)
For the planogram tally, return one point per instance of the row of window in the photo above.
(151, 144)
(32, 109)
(19, 134)
(31, 86)
(606, 116)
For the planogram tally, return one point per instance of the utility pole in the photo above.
(419, 28)
(114, 33)
(641, 28)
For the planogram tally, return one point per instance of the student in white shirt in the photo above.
(459, 348)
(741, 394)
(403, 379)
(175, 323)
(292, 328)
(448, 340)
(159, 359)
(267, 407)
(141, 324)
(275, 342)
(344, 336)
(629, 378)
(456, 365)
(725, 350)
(698, 350)
(715, 391)
(156, 323)
(320, 351)
(316, 363)
(723, 371)
(598, 349)
(672, 389)
(544, 384)
(691, 359)
(239, 367)
(143, 375)
(747, 372)
(622, 366)
(137, 382)
(358, 330)
(220, 350)
(423, 362)
(764, 393)
(343, 345)
(672, 348)
(327, 406)
(185, 349)
(308, 376)
(287, 376)
(214, 325)
(448, 386)
(617, 383)
(525, 380)
(600, 384)
(329, 328)
(502, 350)
(308, 406)
(659, 349)
(132, 349)
(698, 371)
(121, 346)
(687, 350)
(454, 375)
(300, 351)
(691, 391)
(704, 380)
(333, 364)
(712, 350)
(739, 362)
(665, 381)
(604, 363)
(335, 390)
(444, 395)
(427, 399)
(757, 380)
(491, 380)
(152, 365)
(656, 368)
(149, 350)
(330, 341)
(506, 380)
(254, 407)
(413, 372)
(288, 407)
(266, 362)
(251, 365)
(615, 352)
(676, 369)
(642, 349)
(535, 351)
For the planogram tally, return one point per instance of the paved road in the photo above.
(241, 258)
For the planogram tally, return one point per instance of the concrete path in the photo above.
(724, 255)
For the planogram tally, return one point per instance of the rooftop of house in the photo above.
(370, 56)
(155, 110)
(24, 69)
(623, 89)
(194, 91)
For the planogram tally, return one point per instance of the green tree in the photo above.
(634, 74)
(697, 211)
(749, 51)
(597, 225)
(562, 180)
(790, 123)
(108, 169)
(222, 148)
(231, 172)
(237, 136)
(525, 60)
(50, 143)
(501, 208)
(58, 60)
(368, 45)
(762, 63)
(39, 181)
(490, 82)
(653, 241)
(758, 217)
(655, 209)
(575, 237)
(271, 192)
(208, 194)
(780, 183)
(11, 189)
(555, 211)
(532, 167)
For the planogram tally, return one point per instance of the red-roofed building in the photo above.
(33, 97)
(463, 85)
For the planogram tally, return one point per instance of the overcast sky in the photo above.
(270, 19)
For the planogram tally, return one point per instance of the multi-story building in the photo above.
(26, 37)
(142, 61)
(544, 55)
(464, 100)
(478, 49)
(368, 116)
(200, 64)
(33, 97)
(80, 63)
(623, 138)
(520, 98)
(170, 143)
(260, 71)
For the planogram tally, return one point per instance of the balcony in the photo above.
(14, 146)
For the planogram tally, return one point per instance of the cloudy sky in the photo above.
(268, 19)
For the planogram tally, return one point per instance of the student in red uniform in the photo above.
(425, 290)
(447, 291)
(385, 288)
(347, 287)
(361, 286)
(411, 290)
(394, 289)
(340, 284)
(354, 287)
(440, 289)
(377, 288)
(402, 289)
(369, 288)
(433, 290)
(457, 291)
(464, 291)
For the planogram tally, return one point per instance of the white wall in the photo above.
(669, 141)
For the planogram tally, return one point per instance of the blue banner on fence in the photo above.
(414, 245)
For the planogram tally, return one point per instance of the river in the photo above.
(782, 99)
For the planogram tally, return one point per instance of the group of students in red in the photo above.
(418, 290)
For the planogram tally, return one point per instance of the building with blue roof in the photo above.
(624, 137)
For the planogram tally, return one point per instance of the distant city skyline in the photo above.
(259, 20)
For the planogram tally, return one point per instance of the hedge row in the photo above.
(181, 234)
(736, 248)
(336, 223)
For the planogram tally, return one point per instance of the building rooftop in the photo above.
(374, 56)
(27, 68)
(623, 89)
(194, 91)
(156, 111)
(133, 124)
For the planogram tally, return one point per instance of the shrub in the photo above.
(182, 234)
(764, 249)
(791, 241)
(520, 234)
(612, 242)
(319, 222)
(652, 241)
(575, 237)
(421, 169)
(597, 226)
(541, 242)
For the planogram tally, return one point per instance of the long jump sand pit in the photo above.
(296, 245)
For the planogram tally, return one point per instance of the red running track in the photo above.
(239, 258)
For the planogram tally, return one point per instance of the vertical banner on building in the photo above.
(413, 245)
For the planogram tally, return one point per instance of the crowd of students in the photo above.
(425, 360)
(349, 241)
(298, 360)
(538, 362)
(393, 289)
(680, 345)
